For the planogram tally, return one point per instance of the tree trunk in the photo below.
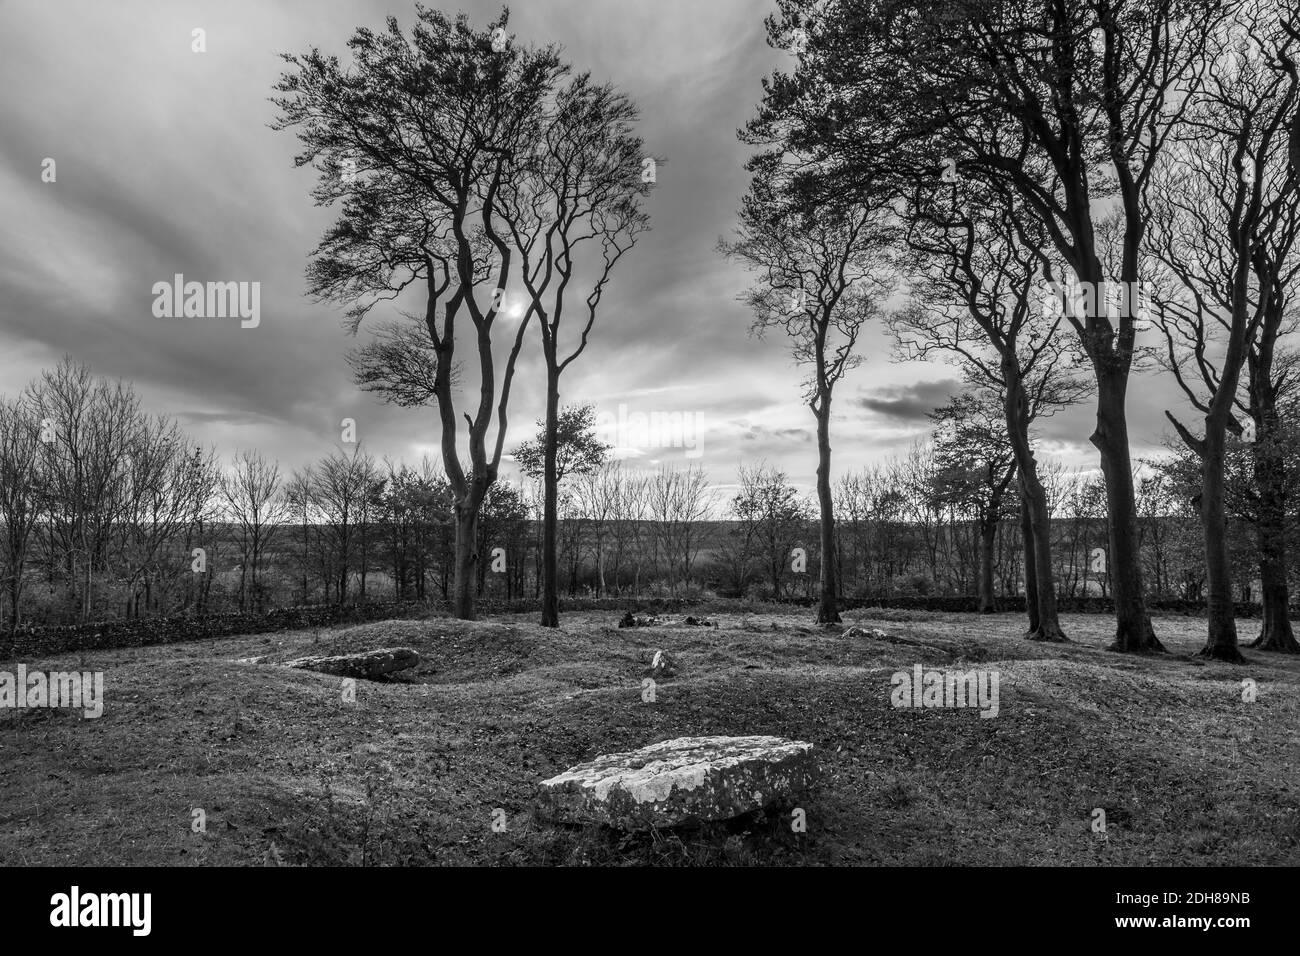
(467, 556)
(1049, 621)
(1221, 640)
(1270, 533)
(1028, 562)
(1133, 631)
(1045, 623)
(1275, 632)
(988, 538)
(827, 610)
(15, 597)
(365, 556)
(305, 550)
(550, 507)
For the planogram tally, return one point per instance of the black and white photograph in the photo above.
(627, 434)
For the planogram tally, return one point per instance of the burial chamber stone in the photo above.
(688, 780)
(368, 664)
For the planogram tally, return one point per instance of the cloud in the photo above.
(175, 170)
(222, 418)
(761, 433)
(910, 403)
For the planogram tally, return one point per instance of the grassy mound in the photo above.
(418, 770)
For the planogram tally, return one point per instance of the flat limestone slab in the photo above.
(369, 664)
(681, 781)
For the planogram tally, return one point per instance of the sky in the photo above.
(164, 164)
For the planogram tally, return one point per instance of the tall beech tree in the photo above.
(573, 213)
(1273, 376)
(419, 138)
(1222, 222)
(819, 280)
(974, 299)
(1060, 103)
(1272, 381)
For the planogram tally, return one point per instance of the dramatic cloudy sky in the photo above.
(166, 164)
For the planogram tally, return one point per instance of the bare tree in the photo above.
(253, 491)
(677, 500)
(86, 424)
(820, 280)
(1222, 198)
(574, 211)
(19, 495)
(621, 496)
(299, 505)
(158, 483)
(608, 498)
(1273, 380)
(1057, 104)
(421, 138)
(340, 487)
(771, 516)
(916, 477)
(976, 468)
(997, 334)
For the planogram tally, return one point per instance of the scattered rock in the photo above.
(633, 620)
(662, 664)
(688, 780)
(874, 633)
(654, 620)
(970, 651)
(367, 665)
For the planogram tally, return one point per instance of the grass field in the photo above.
(286, 772)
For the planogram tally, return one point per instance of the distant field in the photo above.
(1187, 772)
